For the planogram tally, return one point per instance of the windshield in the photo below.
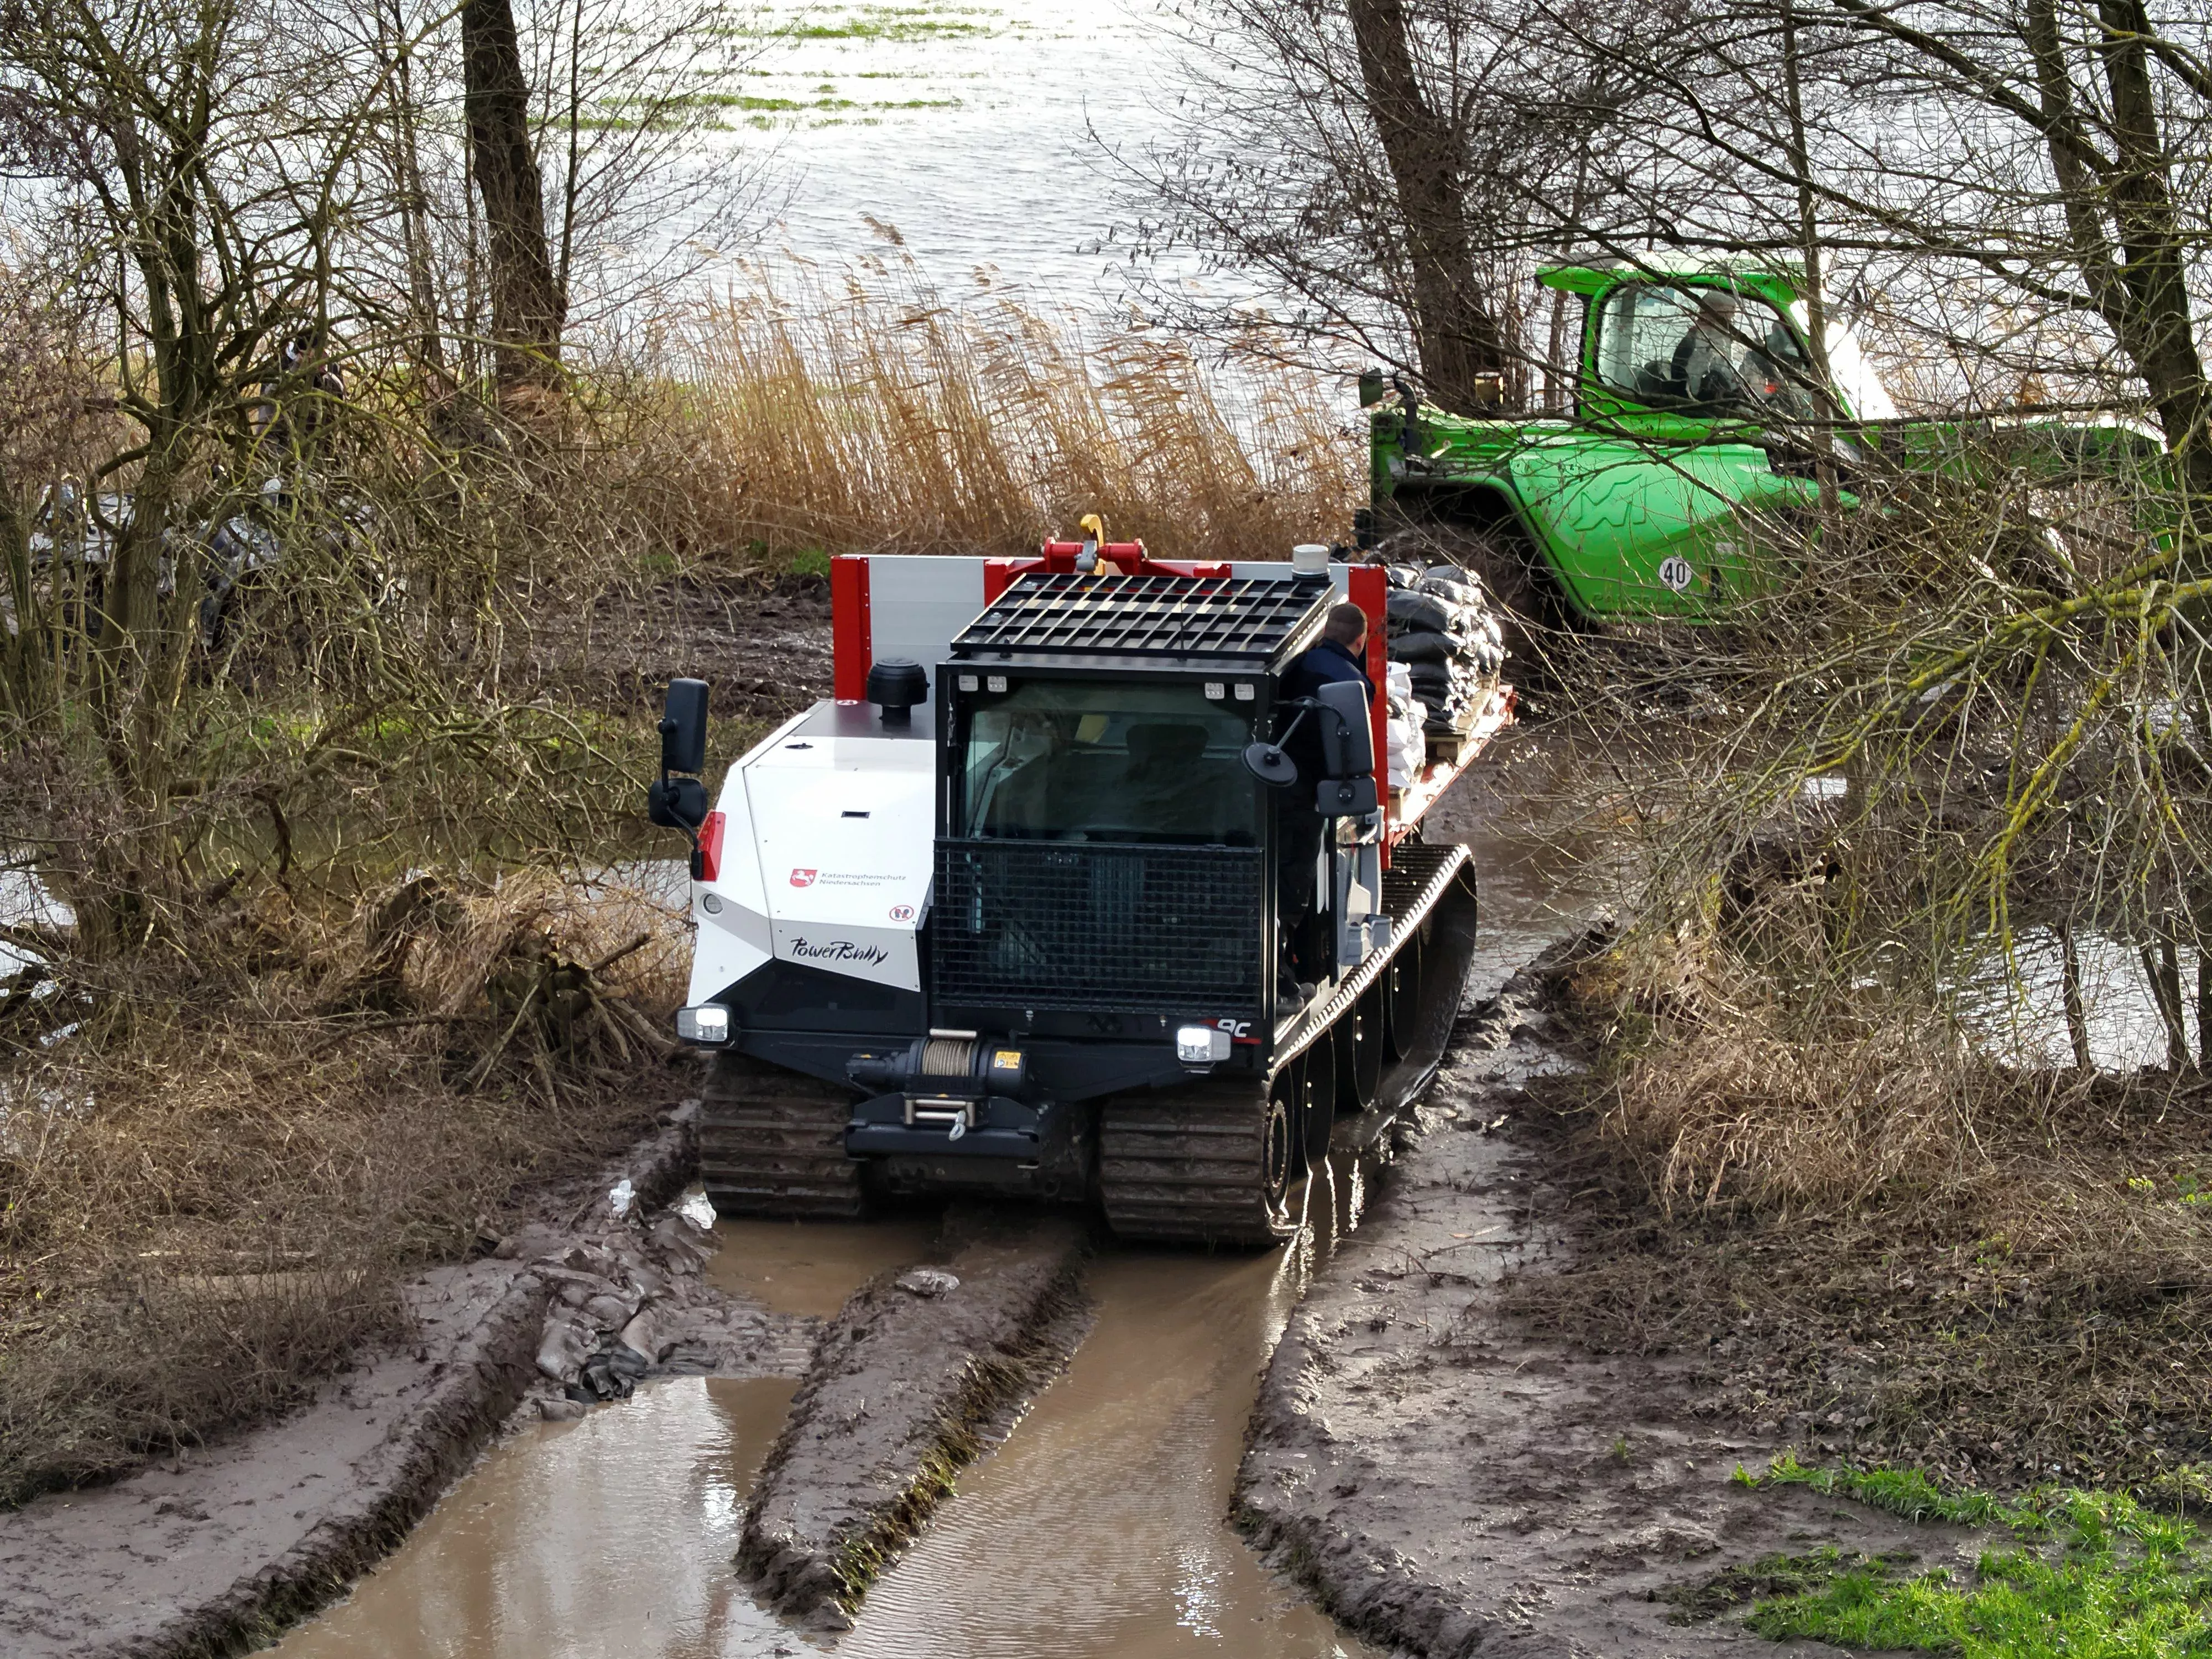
(1706, 350)
(1072, 760)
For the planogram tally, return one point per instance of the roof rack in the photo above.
(1109, 615)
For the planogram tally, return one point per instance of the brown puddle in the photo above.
(596, 1540)
(1097, 1530)
(811, 1266)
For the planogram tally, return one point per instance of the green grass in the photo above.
(888, 23)
(2091, 1576)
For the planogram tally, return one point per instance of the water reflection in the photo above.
(1097, 1530)
(611, 1537)
(2017, 1012)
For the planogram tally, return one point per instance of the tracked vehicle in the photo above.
(1023, 909)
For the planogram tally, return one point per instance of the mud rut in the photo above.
(1097, 1527)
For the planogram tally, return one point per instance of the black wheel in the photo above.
(772, 1142)
(1316, 1073)
(1279, 1159)
(1401, 986)
(1360, 1040)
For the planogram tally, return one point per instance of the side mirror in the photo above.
(1347, 743)
(684, 728)
(677, 803)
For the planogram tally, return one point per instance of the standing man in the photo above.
(1336, 659)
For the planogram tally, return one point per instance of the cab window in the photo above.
(1702, 351)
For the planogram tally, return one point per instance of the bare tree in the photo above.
(1463, 358)
(1386, 174)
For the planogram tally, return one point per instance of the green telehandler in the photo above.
(1699, 438)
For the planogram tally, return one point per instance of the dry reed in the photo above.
(883, 417)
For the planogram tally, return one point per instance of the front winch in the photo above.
(943, 1068)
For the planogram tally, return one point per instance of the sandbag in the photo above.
(1414, 609)
(1458, 588)
(1420, 645)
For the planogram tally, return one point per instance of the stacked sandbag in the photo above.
(1442, 627)
(1408, 745)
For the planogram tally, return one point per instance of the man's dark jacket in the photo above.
(1329, 662)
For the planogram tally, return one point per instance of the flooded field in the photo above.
(959, 137)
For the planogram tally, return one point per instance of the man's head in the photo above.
(1347, 624)
(1717, 312)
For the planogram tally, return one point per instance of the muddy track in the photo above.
(1446, 1486)
(903, 1388)
(215, 1551)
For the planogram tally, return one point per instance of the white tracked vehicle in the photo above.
(1021, 908)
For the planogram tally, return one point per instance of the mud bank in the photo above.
(216, 1550)
(1444, 1485)
(904, 1386)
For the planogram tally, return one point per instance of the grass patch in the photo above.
(1909, 1494)
(1771, 1578)
(2093, 1576)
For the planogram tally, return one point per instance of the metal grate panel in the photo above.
(1086, 926)
(1113, 614)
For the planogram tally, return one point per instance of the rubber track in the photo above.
(1189, 1163)
(1186, 1164)
(772, 1142)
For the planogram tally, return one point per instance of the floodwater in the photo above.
(959, 137)
(1097, 1531)
(599, 1539)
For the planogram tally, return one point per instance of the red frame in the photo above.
(710, 847)
(1368, 587)
(852, 633)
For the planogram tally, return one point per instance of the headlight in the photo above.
(708, 1023)
(1201, 1045)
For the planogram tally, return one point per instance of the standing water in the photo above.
(964, 132)
(1097, 1531)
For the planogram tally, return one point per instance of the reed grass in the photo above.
(879, 416)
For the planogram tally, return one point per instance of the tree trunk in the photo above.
(2077, 1017)
(1462, 355)
(528, 308)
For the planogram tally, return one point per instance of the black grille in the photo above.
(1087, 926)
(1104, 615)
